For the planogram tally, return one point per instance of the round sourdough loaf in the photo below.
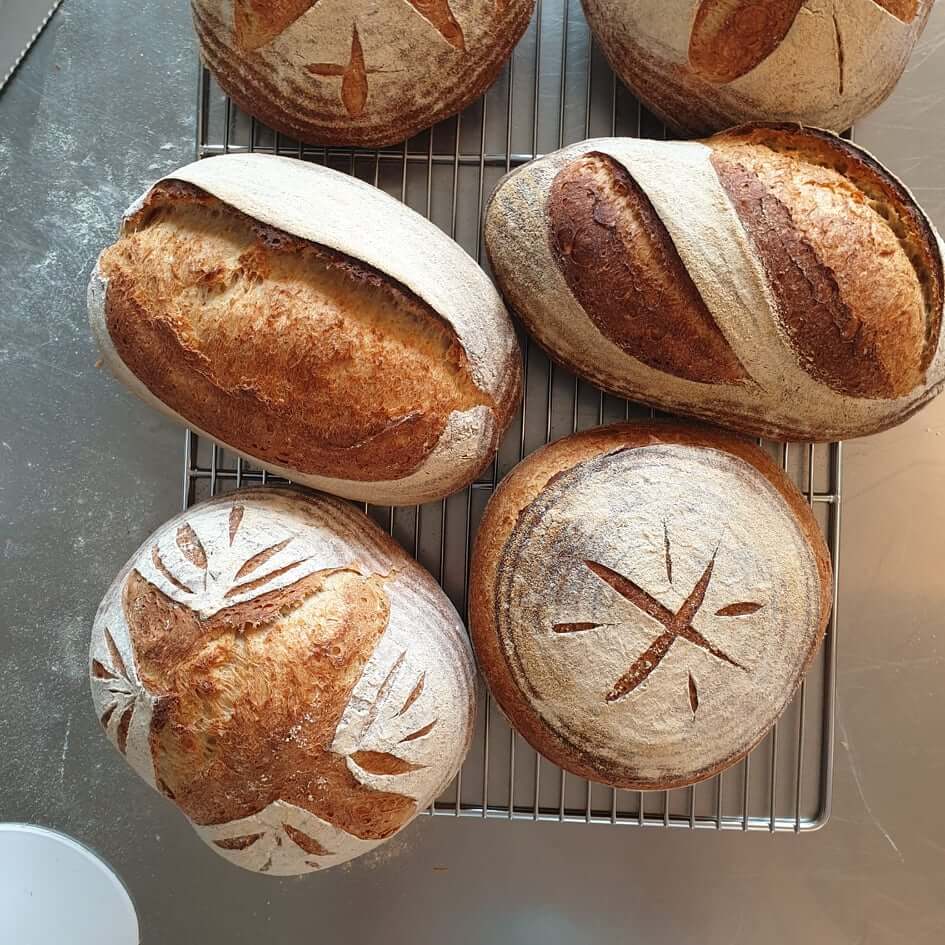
(357, 71)
(773, 279)
(279, 668)
(311, 323)
(703, 65)
(644, 600)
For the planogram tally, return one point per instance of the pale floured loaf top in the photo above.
(704, 65)
(818, 278)
(645, 599)
(357, 71)
(312, 324)
(287, 675)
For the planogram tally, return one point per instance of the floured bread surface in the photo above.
(704, 65)
(301, 354)
(283, 672)
(773, 279)
(645, 600)
(357, 71)
(293, 353)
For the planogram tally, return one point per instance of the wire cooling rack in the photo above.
(556, 89)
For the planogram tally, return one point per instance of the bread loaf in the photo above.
(352, 72)
(290, 678)
(771, 279)
(311, 323)
(703, 65)
(644, 600)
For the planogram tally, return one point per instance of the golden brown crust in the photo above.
(283, 97)
(286, 350)
(804, 199)
(620, 263)
(518, 491)
(250, 703)
(730, 37)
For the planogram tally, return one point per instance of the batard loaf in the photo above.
(703, 65)
(772, 279)
(644, 600)
(280, 669)
(311, 323)
(357, 71)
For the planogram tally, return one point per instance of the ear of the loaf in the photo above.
(303, 357)
(277, 666)
(294, 354)
(621, 264)
(851, 261)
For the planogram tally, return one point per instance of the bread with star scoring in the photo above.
(645, 599)
(281, 669)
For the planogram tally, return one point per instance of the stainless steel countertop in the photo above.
(103, 105)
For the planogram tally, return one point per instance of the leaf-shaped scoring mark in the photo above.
(693, 694)
(302, 840)
(739, 609)
(354, 83)
(113, 653)
(118, 688)
(236, 517)
(414, 693)
(420, 732)
(238, 843)
(438, 14)
(383, 762)
(191, 547)
(731, 37)
(158, 563)
(123, 725)
(574, 627)
(258, 560)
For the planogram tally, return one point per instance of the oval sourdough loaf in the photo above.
(311, 323)
(772, 279)
(279, 668)
(644, 600)
(356, 71)
(703, 65)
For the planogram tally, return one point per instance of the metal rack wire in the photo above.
(556, 89)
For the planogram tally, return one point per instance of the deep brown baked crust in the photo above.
(730, 38)
(286, 350)
(276, 665)
(806, 199)
(817, 266)
(621, 264)
(516, 494)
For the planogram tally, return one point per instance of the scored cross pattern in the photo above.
(258, 22)
(675, 625)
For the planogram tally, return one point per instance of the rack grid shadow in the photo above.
(556, 89)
